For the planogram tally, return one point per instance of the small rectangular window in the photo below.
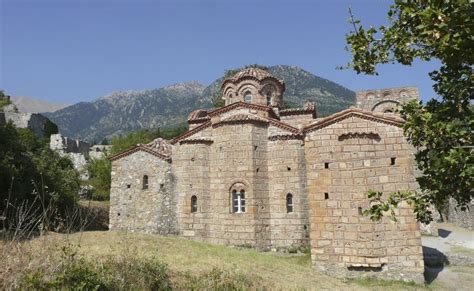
(326, 165)
(194, 206)
(392, 161)
(359, 210)
(128, 186)
(326, 195)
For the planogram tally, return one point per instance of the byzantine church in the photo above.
(253, 174)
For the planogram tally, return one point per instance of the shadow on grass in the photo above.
(444, 233)
(435, 261)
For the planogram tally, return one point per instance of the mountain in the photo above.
(30, 105)
(125, 111)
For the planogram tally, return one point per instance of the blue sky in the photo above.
(80, 50)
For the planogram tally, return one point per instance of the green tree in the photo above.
(99, 171)
(442, 129)
(28, 168)
(4, 99)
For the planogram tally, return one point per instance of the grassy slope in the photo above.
(279, 271)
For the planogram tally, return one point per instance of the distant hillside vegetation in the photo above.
(125, 111)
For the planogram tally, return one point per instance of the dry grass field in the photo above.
(44, 255)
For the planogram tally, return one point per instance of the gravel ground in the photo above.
(449, 258)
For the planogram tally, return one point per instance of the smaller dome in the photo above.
(197, 115)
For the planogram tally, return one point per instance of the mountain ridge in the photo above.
(120, 112)
(35, 105)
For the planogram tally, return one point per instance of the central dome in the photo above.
(257, 73)
(253, 85)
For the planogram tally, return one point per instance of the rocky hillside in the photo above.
(125, 111)
(33, 105)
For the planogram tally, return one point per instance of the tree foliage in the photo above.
(29, 168)
(99, 171)
(442, 130)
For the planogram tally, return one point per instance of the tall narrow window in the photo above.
(238, 201)
(194, 204)
(248, 97)
(145, 182)
(269, 99)
(289, 203)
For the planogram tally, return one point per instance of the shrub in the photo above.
(122, 273)
(74, 274)
(131, 273)
(218, 279)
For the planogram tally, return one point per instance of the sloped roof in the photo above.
(257, 73)
(159, 147)
(350, 113)
(191, 132)
(241, 104)
(198, 116)
(254, 74)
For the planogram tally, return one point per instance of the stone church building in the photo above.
(251, 173)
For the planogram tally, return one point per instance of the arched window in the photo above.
(269, 99)
(145, 182)
(248, 97)
(289, 203)
(238, 201)
(389, 110)
(194, 204)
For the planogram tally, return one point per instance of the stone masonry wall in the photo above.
(287, 175)
(241, 154)
(68, 145)
(385, 99)
(232, 164)
(133, 208)
(342, 240)
(191, 170)
(462, 218)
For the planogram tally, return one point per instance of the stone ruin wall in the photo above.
(462, 218)
(64, 144)
(343, 241)
(132, 208)
(76, 150)
(35, 122)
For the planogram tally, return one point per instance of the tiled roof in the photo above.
(198, 116)
(191, 132)
(244, 105)
(252, 73)
(353, 112)
(242, 118)
(144, 148)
